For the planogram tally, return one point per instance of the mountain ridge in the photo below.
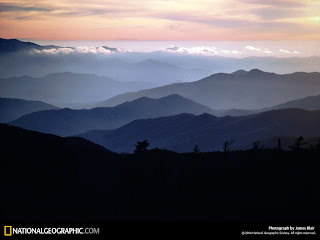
(13, 108)
(15, 45)
(66, 87)
(254, 90)
(66, 122)
(181, 132)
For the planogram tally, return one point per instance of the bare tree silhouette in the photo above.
(226, 145)
(318, 145)
(279, 145)
(256, 146)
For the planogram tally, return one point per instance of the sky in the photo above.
(208, 20)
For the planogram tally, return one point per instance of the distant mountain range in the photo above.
(242, 90)
(36, 61)
(307, 103)
(19, 58)
(216, 64)
(66, 122)
(11, 109)
(17, 46)
(182, 132)
(152, 71)
(65, 89)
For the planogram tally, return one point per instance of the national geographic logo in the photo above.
(8, 230)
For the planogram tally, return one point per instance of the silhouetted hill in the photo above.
(65, 88)
(248, 90)
(49, 178)
(11, 109)
(53, 174)
(66, 122)
(31, 140)
(182, 132)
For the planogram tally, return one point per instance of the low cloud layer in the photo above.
(245, 51)
(82, 50)
(251, 48)
(193, 50)
(230, 52)
(201, 50)
(288, 52)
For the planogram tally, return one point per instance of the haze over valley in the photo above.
(153, 89)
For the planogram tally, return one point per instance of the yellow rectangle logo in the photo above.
(8, 230)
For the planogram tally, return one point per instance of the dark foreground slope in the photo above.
(66, 122)
(49, 177)
(12, 108)
(52, 178)
(182, 132)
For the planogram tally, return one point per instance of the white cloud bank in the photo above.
(201, 50)
(266, 50)
(251, 48)
(82, 49)
(288, 52)
(230, 52)
(193, 50)
(224, 52)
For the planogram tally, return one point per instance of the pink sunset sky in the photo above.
(161, 20)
